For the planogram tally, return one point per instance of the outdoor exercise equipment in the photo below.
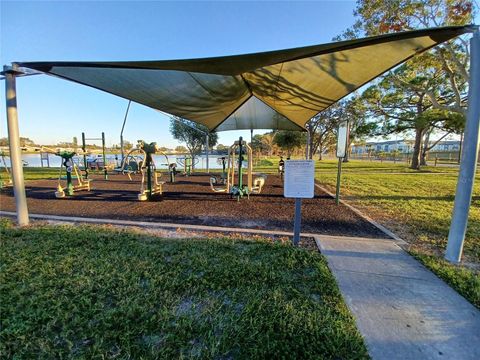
(85, 162)
(132, 163)
(5, 180)
(281, 167)
(150, 184)
(172, 171)
(70, 166)
(238, 190)
(223, 161)
(187, 164)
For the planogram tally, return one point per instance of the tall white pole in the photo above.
(14, 145)
(468, 164)
(206, 152)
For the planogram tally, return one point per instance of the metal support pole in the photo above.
(339, 174)
(121, 132)
(84, 148)
(148, 161)
(14, 145)
(468, 165)
(105, 173)
(240, 160)
(307, 147)
(297, 221)
(206, 152)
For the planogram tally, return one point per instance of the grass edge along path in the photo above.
(91, 291)
(384, 198)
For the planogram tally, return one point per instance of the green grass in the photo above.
(37, 173)
(93, 292)
(466, 282)
(419, 205)
(415, 204)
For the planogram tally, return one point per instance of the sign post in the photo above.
(299, 183)
(342, 136)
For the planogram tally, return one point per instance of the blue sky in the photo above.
(52, 110)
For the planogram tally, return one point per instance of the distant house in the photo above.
(447, 146)
(402, 146)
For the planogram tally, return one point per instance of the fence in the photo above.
(433, 158)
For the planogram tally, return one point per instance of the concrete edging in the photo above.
(174, 226)
(380, 227)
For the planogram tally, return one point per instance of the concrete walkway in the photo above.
(402, 309)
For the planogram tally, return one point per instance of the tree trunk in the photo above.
(320, 149)
(423, 156)
(310, 146)
(416, 150)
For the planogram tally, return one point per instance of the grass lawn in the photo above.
(84, 292)
(417, 206)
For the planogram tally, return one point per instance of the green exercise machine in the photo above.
(70, 167)
(238, 189)
(5, 180)
(187, 164)
(150, 184)
(85, 162)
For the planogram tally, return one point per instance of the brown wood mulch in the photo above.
(191, 201)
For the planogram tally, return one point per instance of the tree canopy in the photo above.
(192, 134)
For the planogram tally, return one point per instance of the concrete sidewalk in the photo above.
(402, 309)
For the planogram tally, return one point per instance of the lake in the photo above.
(33, 160)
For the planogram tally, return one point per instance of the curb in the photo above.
(380, 227)
(174, 226)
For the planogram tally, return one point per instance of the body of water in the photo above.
(34, 160)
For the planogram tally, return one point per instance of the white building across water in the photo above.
(402, 146)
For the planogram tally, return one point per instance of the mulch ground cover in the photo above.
(191, 201)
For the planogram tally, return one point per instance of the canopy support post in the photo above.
(121, 132)
(468, 165)
(206, 151)
(307, 147)
(14, 145)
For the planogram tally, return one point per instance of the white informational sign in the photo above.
(342, 135)
(299, 179)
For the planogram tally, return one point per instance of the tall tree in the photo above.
(321, 131)
(434, 80)
(268, 142)
(192, 135)
(258, 144)
(289, 140)
(360, 125)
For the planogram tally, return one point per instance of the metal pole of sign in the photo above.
(342, 139)
(339, 174)
(297, 221)
(14, 145)
(468, 165)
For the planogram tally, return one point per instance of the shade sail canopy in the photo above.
(271, 90)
